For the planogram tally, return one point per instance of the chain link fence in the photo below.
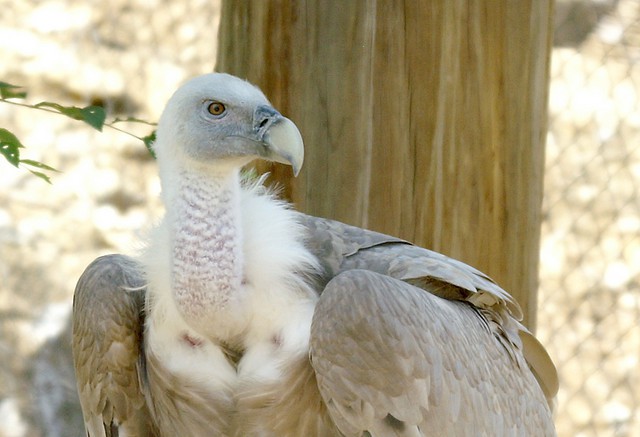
(130, 54)
(589, 299)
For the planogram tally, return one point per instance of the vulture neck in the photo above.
(204, 220)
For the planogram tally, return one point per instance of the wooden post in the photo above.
(423, 119)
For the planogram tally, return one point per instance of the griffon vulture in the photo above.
(246, 318)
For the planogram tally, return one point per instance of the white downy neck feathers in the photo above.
(225, 266)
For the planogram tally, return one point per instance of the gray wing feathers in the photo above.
(395, 366)
(541, 365)
(361, 384)
(341, 248)
(107, 348)
(332, 242)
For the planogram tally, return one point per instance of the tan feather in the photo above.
(289, 408)
(182, 408)
(474, 387)
(107, 341)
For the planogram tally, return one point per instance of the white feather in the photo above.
(276, 306)
(224, 266)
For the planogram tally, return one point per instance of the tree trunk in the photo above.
(422, 119)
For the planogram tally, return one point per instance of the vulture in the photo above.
(243, 317)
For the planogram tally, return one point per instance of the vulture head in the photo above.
(222, 120)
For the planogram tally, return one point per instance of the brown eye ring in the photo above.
(216, 108)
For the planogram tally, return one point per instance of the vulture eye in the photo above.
(216, 108)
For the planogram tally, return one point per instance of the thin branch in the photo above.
(111, 125)
(25, 105)
(123, 131)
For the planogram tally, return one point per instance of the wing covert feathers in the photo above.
(341, 248)
(107, 348)
(385, 361)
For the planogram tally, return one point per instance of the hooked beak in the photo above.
(280, 137)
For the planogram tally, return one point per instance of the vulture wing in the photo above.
(393, 359)
(108, 324)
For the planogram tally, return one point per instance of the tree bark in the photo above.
(422, 119)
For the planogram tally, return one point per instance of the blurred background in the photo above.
(129, 56)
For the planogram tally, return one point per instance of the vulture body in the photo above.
(246, 318)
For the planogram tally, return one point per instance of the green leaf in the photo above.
(42, 176)
(8, 91)
(94, 116)
(38, 164)
(10, 146)
(148, 142)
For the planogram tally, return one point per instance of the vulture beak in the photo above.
(280, 138)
